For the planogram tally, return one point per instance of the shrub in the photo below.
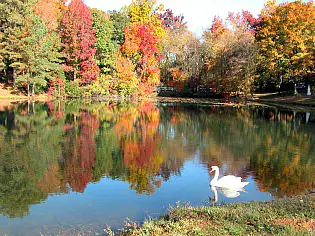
(57, 88)
(72, 89)
(101, 87)
(125, 88)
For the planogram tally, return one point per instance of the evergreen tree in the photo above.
(120, 21)
(13, 35)
(40, 55)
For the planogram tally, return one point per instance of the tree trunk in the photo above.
(28, 107)
(309, 90)
(33, 106)
(5, 75)
(28, 89)
(33, 89)
(295, 91)
(14, 76)
(280, 83)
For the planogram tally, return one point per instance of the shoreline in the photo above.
(288, 102)
(7, 102)
(290, 216)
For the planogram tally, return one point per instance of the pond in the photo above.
(68, 167)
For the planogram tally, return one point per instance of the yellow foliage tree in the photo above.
(143, 42)
(286, 39)
(146, 12)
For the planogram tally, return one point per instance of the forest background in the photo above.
(70, 50)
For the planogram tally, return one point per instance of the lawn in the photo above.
(292, 216)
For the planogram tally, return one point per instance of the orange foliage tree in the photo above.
(50, 11)
(286, 40)
(142, 43)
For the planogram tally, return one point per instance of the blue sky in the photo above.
(198, 13)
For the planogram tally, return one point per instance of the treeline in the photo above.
(72, 50)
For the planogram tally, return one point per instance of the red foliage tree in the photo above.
(217, 27)
(245, 20)
(251, 21)
(142, 45)
(78, 41)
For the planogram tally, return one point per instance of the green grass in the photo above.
(293, 216)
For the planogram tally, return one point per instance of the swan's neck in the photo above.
(216, 175)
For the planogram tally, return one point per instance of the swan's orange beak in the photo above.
(211, 171)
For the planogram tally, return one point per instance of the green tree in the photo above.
(13, 34)
(40, 55)
(120, 21)
(106, 47)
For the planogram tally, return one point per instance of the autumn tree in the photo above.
(232, 56)
(286, 40)
(182, 62)
(50, 11)
(217, 27)
(143, 42)
(78, 42)
(141, 46)
(127, 82)
(28, 48)
(146, 12)
(170, 21)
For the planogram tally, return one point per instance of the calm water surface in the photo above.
(79, 166)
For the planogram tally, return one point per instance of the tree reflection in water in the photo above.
(60, 147)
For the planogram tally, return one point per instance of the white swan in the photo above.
(229, 181)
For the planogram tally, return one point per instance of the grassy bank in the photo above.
(294, 216)
(285, 99)
(205, 101)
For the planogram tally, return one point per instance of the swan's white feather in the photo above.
(229, 181)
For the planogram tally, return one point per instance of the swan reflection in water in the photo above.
(230, 186)
(227, 192)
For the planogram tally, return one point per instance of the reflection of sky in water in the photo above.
(111, 202)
